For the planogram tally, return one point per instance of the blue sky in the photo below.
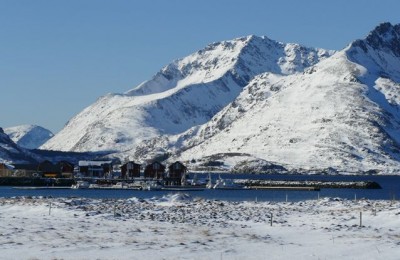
(57, 57)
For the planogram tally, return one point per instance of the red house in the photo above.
(154, 170)
(49, 170)
(66, 169)
(130, 170)
(176, 174)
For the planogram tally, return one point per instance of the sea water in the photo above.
(390, 190)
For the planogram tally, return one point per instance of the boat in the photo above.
(227, 184)
(195, 181)
(120, 185)
(152, 185)
(81, 185)
(126, 186)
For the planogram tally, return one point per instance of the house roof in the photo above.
(162, 166)
(132, 162)
(177, 162)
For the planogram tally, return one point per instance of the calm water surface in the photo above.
(390, 189)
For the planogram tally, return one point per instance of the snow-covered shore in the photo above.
(181, 227)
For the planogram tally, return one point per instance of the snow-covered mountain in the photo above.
(256, 103)
(12, 153)
(342, 113)
(186, 93)
(29, 136)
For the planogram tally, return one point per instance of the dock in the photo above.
(301, 188)
(307, 184)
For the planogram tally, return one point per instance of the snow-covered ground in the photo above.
(181, 227)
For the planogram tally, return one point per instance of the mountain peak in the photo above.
(384, 37)
(187, 92)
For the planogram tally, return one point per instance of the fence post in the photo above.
(271, 219)
(49, 208)
(360, 218)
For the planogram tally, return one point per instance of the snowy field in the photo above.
(181, 227)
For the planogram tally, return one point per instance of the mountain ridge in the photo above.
(192, 90)
(260, 101)
(355, 155)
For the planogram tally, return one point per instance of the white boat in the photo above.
(96, 186)
(227, 184)
(120, 185)
(196, 181)
(151, 185)
(81, 185)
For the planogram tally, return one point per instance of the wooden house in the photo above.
(176, 174)
(154, 170)
(66, 169)
(95, 169)
(130, 170)
(49, 170)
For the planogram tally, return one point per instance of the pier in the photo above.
(305, 188)
(307, 184)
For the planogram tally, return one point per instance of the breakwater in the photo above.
(309, 183)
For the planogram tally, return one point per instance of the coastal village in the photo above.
(103, 173)
(153, 176)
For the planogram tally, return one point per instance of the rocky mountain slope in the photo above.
(341, 114)
(186, 93)
(29, 136)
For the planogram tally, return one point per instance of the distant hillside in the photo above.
(12, 153)
(29, 136)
